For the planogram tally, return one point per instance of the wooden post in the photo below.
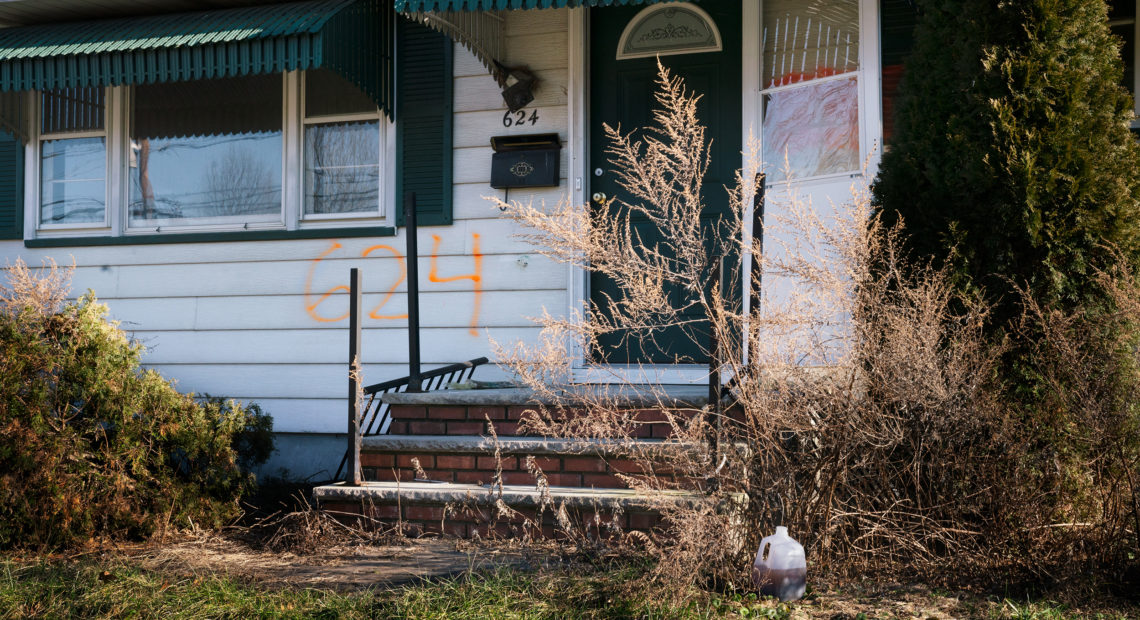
(352, 472)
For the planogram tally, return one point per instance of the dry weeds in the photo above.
(336, 566)
(864, 410)
(42, 290)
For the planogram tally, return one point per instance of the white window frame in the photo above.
(203, 224)
(116, 129)
(387, 177)
(35, 165)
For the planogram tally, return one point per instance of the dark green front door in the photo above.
(622, 93)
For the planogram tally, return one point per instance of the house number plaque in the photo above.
(520, 118)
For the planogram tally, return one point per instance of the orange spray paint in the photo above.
(392, 290)
(311, 306)
(476, 277)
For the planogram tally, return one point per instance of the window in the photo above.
(73, 158)
(206, 152)
(342, 149)
(210, 155)
(810, 89)
(667, 29)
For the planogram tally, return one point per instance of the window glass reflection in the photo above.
(206, 150)
(342, 167)
(805, 40)
(72, 181)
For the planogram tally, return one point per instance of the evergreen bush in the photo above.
(91, 444)
(1012, 159)
(1013, 166)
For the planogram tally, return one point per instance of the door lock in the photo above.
(600, 198)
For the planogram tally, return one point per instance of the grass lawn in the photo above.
(117, 587)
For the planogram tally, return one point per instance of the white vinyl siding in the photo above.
(234, 319)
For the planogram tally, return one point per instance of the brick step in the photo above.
(465, 412)
(471, 460)
(467, 510)
(459, 419)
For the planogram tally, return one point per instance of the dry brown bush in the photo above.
(865, 411)
(1087, 427)
(41, 291)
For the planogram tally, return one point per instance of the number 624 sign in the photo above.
(513, 119)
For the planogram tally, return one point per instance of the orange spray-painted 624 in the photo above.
(314, 300)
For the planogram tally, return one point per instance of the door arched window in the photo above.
(668, 29)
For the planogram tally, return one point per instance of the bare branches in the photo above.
(650, 243)
(865, 412)
(42, 291)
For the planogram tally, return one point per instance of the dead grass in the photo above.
(212, 576)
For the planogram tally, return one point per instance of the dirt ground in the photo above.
(349, 567)
(339, 567)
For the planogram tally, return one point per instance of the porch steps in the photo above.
(469, 510)
(470, 459)
(643, 423)
(446, 433)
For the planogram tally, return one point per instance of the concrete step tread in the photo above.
(512, 495)
(631, 396)
(475, 444)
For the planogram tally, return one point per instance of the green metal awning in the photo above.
(477, 24)
(423, 6)
(351, 37)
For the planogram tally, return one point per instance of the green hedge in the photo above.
(1012, 159)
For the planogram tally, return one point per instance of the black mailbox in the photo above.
(525, 161)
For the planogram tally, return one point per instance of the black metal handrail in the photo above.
(376, 415)
(374, 419)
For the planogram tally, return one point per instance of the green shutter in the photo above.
(423, 122)
(11, 187)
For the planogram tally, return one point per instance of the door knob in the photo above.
(599, 198)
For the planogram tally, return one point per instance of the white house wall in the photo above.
(243, 320)
(237, 319)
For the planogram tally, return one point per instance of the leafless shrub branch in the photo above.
(863, 412)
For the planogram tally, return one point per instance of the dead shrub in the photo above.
(1086, 424)
(865, 408)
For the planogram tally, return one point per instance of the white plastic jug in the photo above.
(780, 568)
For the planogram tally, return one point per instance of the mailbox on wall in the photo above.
(525, 161)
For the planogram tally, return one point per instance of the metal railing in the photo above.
(375, 416)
